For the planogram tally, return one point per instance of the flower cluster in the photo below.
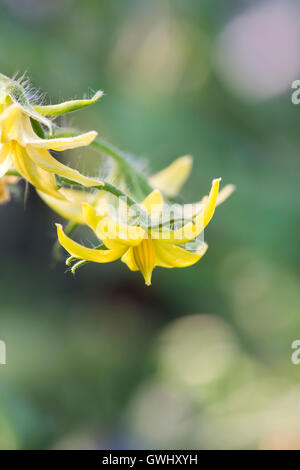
(135, 217)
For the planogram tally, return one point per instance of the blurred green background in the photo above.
(202, 359)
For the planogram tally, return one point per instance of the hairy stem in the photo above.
(122, 158)
(110, 188)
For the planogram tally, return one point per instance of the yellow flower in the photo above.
(4, 192)
(21, 148)
(142, 247)
(169, 181)
(21, 145)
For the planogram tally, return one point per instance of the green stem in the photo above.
(122, 158)
(111, 188)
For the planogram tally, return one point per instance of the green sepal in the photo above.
(67, 106)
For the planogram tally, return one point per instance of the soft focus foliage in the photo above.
(202, 360)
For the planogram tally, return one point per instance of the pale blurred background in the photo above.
(202, 358)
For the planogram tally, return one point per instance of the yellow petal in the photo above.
(172, 178)
(66, 208)
(173, 256)
(43, 159)
(12, 122)
(117, 234)
(128, 259)
(88, 254)
(42, 180)
(153, 203)
(224, 194)
(16, 125)
(62, 143)
(90, 216)
(144, 257)
(209, 207)
(67, 106)
(192, 229)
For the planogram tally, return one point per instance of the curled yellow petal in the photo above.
(222, 196)
(44, 160)
(42, 180)
(173, 256)
(209, 207)
(171, 179)
(128, 258)
(88, 254)
(90, 216)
